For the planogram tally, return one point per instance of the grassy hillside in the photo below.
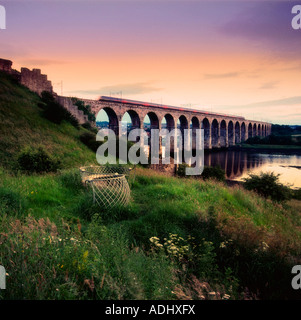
(21, 125)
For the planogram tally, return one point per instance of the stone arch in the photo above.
(259, 130)
(207, 136)
(150, 121)
(195, 123)
(243, 132)
(170, 122)
(182, 123)
(230, 133)
(237, 132)
(112, 119)
(194, 126)
(250, 131)
(153, 120)
(214, 134)
(134, 117)
(223, 133)
(254, 130)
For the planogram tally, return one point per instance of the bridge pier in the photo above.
(227, 137)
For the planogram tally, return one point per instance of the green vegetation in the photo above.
(86, 108)
(284, 130)
(55, 112)
(178, 239)
(284, 140)
(268, 186)
(22, 125)
(216, 173)
(37, 161)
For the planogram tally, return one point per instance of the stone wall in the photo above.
(5, 65)
(35, 81)
(67, 103)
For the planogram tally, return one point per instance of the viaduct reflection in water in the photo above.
(235, 163)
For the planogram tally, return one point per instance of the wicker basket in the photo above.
(108, 183)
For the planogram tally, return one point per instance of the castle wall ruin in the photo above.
(5, 65)
(35, 81)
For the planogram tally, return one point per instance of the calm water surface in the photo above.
(238, 165)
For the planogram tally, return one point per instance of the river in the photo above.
(238, 165)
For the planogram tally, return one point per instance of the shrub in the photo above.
(181, 169)
(296, 194)
(38, 161)
(86, 108)
(216, 173)
(268, 186)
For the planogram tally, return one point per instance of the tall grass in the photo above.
(178, 239)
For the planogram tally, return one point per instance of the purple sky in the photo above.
(240, 57)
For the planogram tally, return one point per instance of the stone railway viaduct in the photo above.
(220, 130)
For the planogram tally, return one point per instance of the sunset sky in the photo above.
(239, 57)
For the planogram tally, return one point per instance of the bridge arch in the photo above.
(254, 130)
(237, 132)
(250, 131)
(169, 122)
(194, 126)
(107, 114)
(194, 123)
(243, 132)
(223, 133)
(133, 116)
(215, 134)
(205, 125)
(230, 133)
(151, 121)
(182, 123)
